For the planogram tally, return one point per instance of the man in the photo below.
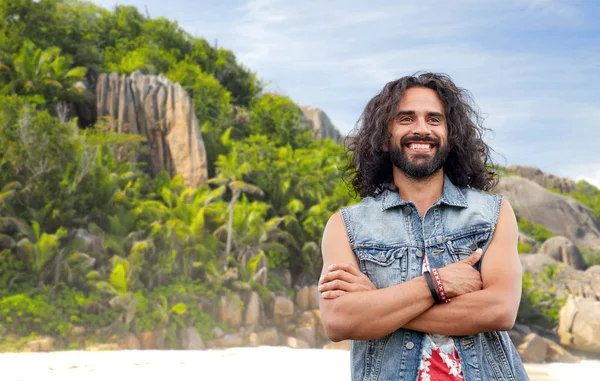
(404, 275)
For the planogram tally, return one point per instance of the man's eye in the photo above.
(434, 120)
(405, 119)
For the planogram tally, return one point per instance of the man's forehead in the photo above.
(420, 100)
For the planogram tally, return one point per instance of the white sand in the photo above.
(240, 364)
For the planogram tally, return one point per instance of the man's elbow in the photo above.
(337, 325)
(504, 318)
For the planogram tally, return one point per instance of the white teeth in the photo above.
(420, 146)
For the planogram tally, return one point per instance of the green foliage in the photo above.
(535, 231)
(89, 238)
(523, 248)
(41, 313)
(585, 193)
(33, 71)
(279, 118)
(539, 302)
(591, 256)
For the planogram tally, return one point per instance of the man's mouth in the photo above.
(420, 147)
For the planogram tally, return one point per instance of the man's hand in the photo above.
(461, 278)
(341, 279)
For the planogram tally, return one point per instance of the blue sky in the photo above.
(532, 66)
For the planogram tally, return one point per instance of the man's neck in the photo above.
(422, 192)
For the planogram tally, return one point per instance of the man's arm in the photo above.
(365, 315)
(353, 311)
(494, 308)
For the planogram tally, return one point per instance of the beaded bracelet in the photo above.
(440, 286)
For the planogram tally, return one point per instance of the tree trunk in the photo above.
(230, 209)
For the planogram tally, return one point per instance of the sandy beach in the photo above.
(264, 363)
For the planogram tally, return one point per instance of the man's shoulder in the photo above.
(477, 195)
(368, 202)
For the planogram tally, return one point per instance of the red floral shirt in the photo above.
(439, 358)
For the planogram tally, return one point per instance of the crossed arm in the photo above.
(356, 310)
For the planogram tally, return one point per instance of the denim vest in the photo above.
(389, 239)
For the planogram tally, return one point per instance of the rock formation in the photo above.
(560, 214)
(563, 250)
(321, 125)
(546, 180)
(163, 113)
(568, 281)
(579, 326)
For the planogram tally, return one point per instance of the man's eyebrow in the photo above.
(405, 112)
(411, 112)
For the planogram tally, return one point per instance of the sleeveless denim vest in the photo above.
(389, 239)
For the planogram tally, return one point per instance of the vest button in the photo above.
(409, 345)
(407, 210)
(419, 253)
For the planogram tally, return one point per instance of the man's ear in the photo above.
(385, 147)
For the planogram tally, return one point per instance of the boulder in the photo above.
(269, 336)
(556, 353)
(231, 341)
(525, 239)
(148, 340)
(593, 270)
(218, 332)
(42, 344)
(191, 339)
(319, 326)
(313, 297)
(297, 343)
(515, 337)
(283, 310)
(545, 180)
(231, 308)
(321, 125)
(563, 250)
(252, 316)
(567, 280)
(302, 298)
(307, 334)
(162, 112)
(579, 324)
(533, 349)
(129, 341)
(103, 347)
(560, 214)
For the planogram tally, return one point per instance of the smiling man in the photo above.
(423, 274)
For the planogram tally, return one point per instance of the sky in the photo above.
(531, 66)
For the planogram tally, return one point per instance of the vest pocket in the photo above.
(463, 244)
(385, 267)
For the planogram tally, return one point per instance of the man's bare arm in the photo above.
(365, 315)
(494, 308)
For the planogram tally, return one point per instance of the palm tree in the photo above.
(33, 71)
(230, 175)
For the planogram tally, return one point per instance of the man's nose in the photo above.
(421, 127)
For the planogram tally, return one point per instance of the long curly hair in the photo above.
(469, 163)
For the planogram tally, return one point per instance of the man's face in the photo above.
(418, 145)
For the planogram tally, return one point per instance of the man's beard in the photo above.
(417, 167)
